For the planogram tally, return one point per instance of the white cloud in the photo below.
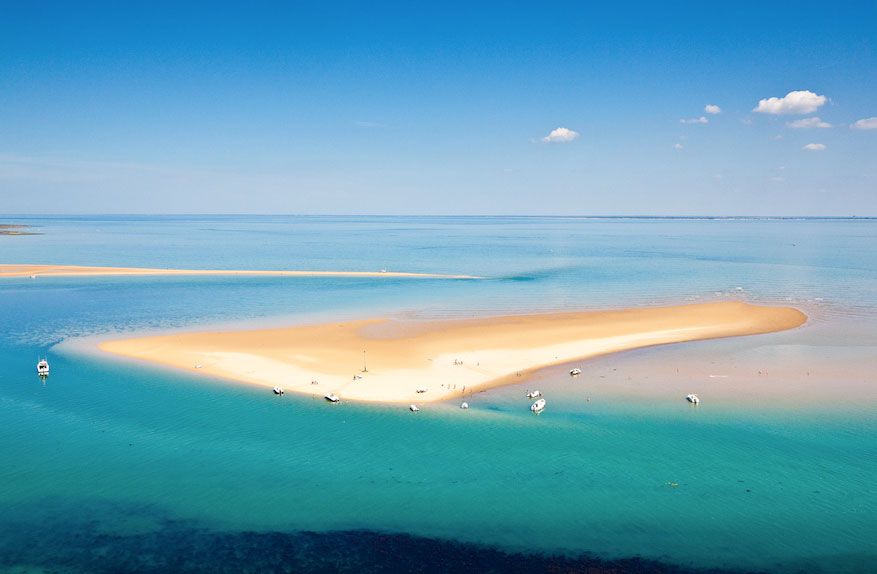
(799, 102)
(808, 123)
(865, 124)
(814, 147)
(700, 120)
(777, 179)
(561, 135)
(712, 109)
(678, 146)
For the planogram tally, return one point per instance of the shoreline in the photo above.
(28, 270)
(450, 359)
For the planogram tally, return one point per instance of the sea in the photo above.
(116, 466)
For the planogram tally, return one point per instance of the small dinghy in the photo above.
(538, 406)
(43, 368)
(574, 372)
(534, 394)
(413, 408)
(464, 406)
(332, 398)
(693, 399)
(278, 391)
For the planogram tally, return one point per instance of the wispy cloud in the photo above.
(561, 135)
(678, 146)
(700, 120)
(367, 124)
(865, 124)
(808, 123)
(814, 147)
(797, 102)
(712, 109)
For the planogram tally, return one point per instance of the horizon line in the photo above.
(457, 215)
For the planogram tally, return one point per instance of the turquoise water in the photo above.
(126, 451)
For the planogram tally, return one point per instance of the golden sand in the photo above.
(443, 359)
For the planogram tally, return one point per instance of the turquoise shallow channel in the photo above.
(111, 465)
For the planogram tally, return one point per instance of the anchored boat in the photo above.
(538, 406)
(693, 399)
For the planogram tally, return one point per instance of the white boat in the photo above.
(43, 367)
(534, 394)
(464, 406)
(538, 406)
(693, 399)
(576, 371)
(278, 391)
(413, 408)
(332, 398)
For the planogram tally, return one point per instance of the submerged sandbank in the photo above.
(390, 361)
(24, 270)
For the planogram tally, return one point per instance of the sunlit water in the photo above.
(109, 448)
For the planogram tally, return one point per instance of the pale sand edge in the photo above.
(26, 270)
(492, 350)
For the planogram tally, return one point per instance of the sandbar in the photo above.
(24, 270)
(389, 361)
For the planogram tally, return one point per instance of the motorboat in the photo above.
(538, 406)
(534, 394)
(278, 391)
(43, 368)
(464, 406)
(332, 398)
(574, 372)
(413, 408)
(693, 399)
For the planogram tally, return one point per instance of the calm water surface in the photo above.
(129, 457)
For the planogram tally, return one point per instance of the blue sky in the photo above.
(438, 108)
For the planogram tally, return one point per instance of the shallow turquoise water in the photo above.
(129, 447)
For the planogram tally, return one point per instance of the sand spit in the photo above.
(392, 361)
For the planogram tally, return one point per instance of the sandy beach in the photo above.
(382, 360)
(23, 270)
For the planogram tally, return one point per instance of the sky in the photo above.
(522, 108)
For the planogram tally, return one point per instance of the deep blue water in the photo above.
(135, 468)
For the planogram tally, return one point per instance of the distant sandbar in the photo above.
(77, 271)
